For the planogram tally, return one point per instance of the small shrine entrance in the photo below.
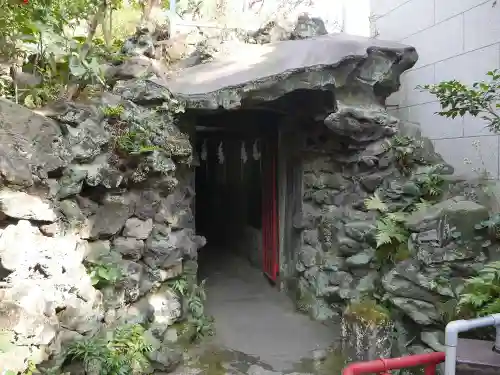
(237, 205)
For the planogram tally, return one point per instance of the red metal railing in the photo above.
(383, 366)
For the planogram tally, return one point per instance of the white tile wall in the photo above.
(461, 151)
(382, 7)
(400, 23)
(455, 39)
(413, 78)
(481, 26)
(445, 9)
(434, 126)
(470, 67)
(439, 42)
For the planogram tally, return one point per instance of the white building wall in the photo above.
(455, 39)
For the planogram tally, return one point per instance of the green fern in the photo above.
(122, 353)
(179, 285)
(391, 235)
(481, 295)
(430, 181)
(389, 232)
(397, 217)
(135, 142)
(375, 204)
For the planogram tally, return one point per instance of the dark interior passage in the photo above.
(228, 183)
(229, 180)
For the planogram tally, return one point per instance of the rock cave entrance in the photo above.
(229, 186)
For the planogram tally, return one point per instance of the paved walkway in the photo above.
(258, 331)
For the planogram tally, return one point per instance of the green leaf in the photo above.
(398, 217)
(94, 279)
(411, 188)
(76, 68)
(103, 273)
(375, 204)
(389, 231)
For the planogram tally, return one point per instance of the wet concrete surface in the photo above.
(258, 330)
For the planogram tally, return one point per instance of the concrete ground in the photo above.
(258, 331)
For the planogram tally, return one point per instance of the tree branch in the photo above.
(96, 19)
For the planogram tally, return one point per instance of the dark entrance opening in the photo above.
(236, 190)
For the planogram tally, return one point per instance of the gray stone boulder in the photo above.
(279, 69)
(164, 250)
(458, 212)
(131, 248)
(73, 251)
(274, 31)
(137, 228)
(110, 219)
(421, 312)
(308, 27)
(32, 146)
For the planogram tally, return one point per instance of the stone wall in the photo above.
(339, 261)
(95, 216)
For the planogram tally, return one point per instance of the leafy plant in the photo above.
(30, 370)
(121, 353)
(390, 231)
(171, 104)
(430, 182)
(375, 203)
(369, 311)
(179, 285)
(481, 295)
(103, 274)
(194, 296)
(492, 222)
(135, 142)
(113, 111)
(203, 324)
(405, 151)
(492, 226)
(424, 186)
(478, 100)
